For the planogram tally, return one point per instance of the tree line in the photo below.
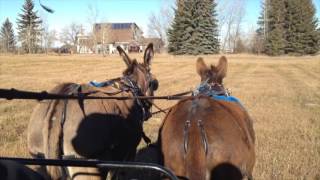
(34, 35)
(284, 27)
(194, 29)
(288, 27)
(29, 31)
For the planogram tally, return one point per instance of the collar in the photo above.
(210, 89)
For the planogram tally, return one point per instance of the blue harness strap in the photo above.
(97, 84)
(103, 84)
(205, 89)
(226, 98)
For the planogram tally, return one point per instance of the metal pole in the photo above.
(94, 163)
(10, 94)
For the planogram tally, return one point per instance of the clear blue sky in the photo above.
(67, 11)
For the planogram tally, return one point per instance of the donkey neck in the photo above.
(138, 89)
(133, 109)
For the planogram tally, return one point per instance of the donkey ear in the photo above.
(222, 67)
(201, 67)
(148, 55)
(124, 56)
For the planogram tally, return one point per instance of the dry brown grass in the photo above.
(282, 94)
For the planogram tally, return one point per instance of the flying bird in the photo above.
(46, 8)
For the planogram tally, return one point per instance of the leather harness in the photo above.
(126, 84)
(207, 89)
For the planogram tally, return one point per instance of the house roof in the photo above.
(116, 25)
(121, 25)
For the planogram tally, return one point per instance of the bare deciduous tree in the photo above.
(92, 18)
(69, 33)
(159, 23)
(230, 20)
(253, 42)
(48, 37)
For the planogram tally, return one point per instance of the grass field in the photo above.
(282, 94)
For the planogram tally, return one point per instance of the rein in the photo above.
(168, 108)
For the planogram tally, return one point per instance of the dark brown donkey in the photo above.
(210, 135)
(94, 129)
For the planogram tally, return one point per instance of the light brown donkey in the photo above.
(94, 129)
(210, 135)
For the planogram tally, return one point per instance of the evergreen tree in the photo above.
(175, 31)
(310, 39)
(215, 42)
(182, 28)
(319, 37)
(7, 37)
(261, 32)
(301, 25)
(207, 27)
(293, 45)
(261, 22)
(29, 28)
(188, 26)
(275, 40)
(291, 27)
(194, 29)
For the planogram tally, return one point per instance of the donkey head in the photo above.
(212, 74)
(140, 73)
